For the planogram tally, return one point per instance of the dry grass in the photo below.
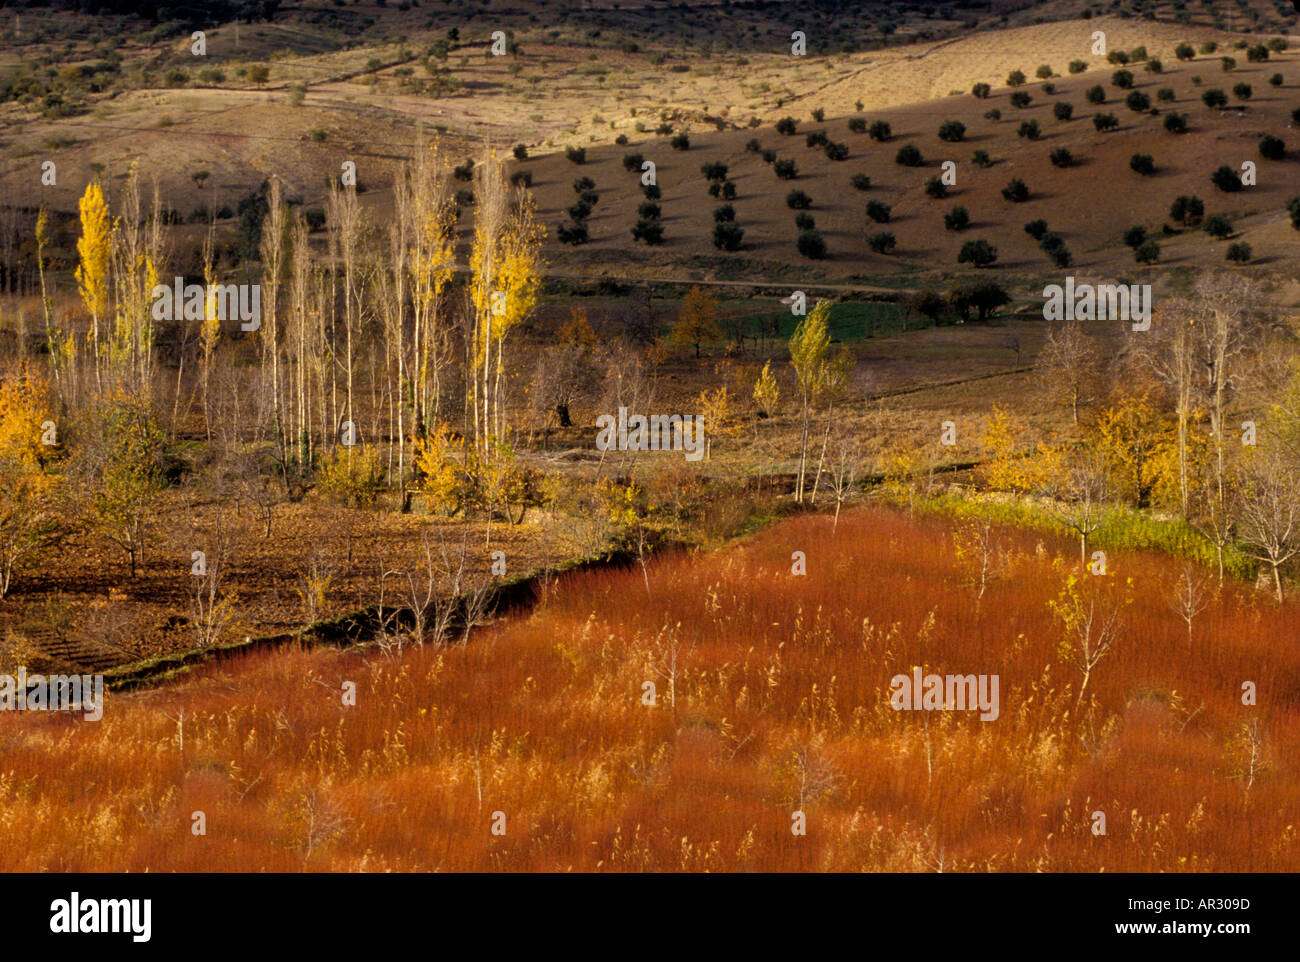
(781, 687)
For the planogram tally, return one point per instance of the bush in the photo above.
(633, 162)
(1062, 111)
(878, 211)
(981, 90)
(1016, 78)
(1143, 164)
(681, 142)
(952, 131)
(714, 171)
(1184, 51)
(804, 220)
(1208, 48)
(814, 138)
(1272, 148)
(1051, 242)
(1154, 65)
(753, 146)
(576, 154)
(909, 155)
(1277, 44)
(881, 243)
(727, 236)
(811, 244)
(1187, 210)
(1021, 99)
(1044, 71)
(728, 190)
(1029, 130)
(769, 156)
(314, 218)
(1137, 102)
(787, 126)
(1214, 98)
(1295, 116)
(1176, 123)
(1095, 94)
(583, 185)
(981, 159)
(522, 178)
(985, 296)
(881, 131)
(1218, 226)
(1105, 121)
(621, 140)
(651, 191)
(818, 114)
(786, 169)
(957, 219)
(1226, 179)
(1229, 63)
(977, 253)
(580, 211)
(648, 210)
(724, 213)
(464, 171)
(1060, 255)
(1036, 229)
(836, 151)
(1016, 191)
(857, 125)
(520, 152)
(1276, 80)
(1078, 66)
(1135, 237)
(352, 476)
(1293, 208)
(1166, 95)
(1122, 79)
(798, 200)
(1238, 253)
(574, 233)
(1060, 157)
(1148, 253)
(650, 231)
(1257, 53)
(936, 188)
(860, 182)
(993, 114)
(1242, 91)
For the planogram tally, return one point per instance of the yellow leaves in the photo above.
(766, 392)
(24, 406)
(437, 460)
(93, 249)
(1008, 467)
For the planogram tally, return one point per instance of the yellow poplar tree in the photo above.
(93, 250)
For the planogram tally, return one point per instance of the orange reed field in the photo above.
(772, 696)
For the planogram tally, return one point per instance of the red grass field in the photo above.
(782, 682)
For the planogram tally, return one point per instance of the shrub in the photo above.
(1060, 157)
(352, 476)
(1208, 48)
(520, 152)
(1214, 98)
(1036, 229)
(981, 159)
(1277, 44)
(957, 219)
(878, 211)
(621, 140)
(1021, 99)
(633, 162)
(1295, 116)
(681, 142)
(1176, 123)
(1137, 101)
(650, 231)
(648, 210)
(1184, 51)
(811, 244)
(836, 151)
(993, 114)
(1218, 226)
(1135, 237)
(725, 212)
(1029, 130)
(1242, 91)
(1016, 78)
(804, 220)
(1078, 66)
(1226, 179)
(1062, 111)
(1166, 95)
(727, 236)
(753, 146)
(1293, 208)
(818, 114)
(1122, 79)
(952, 131)
(1229, 63)
(1016, 191)
(576, 154)
(1257, 53)
(728, 190)
(981, 90)
(977, 253)
(1105, 121)
(1143, 164)
(583, 184)
(882, 243)
(573, 233)
(1276, 80)
(909, 155)
(1061, 255)
(522, 178)
(1044, 71)
(860, 182)
(798, 200)
(1051, 242)
(1238, 253)
(769, 156)
(786, 169)
(814, 138)
(1095, 94)
(1154, 65)
(857, 125)
(1187, 210)
(1148, 253)
(1272, 148)
(651, 191)
(1137, 54)
(464, 171)
(787, 126)
(881, 131)
(714, 171)
(579, 211)
(936, 188)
